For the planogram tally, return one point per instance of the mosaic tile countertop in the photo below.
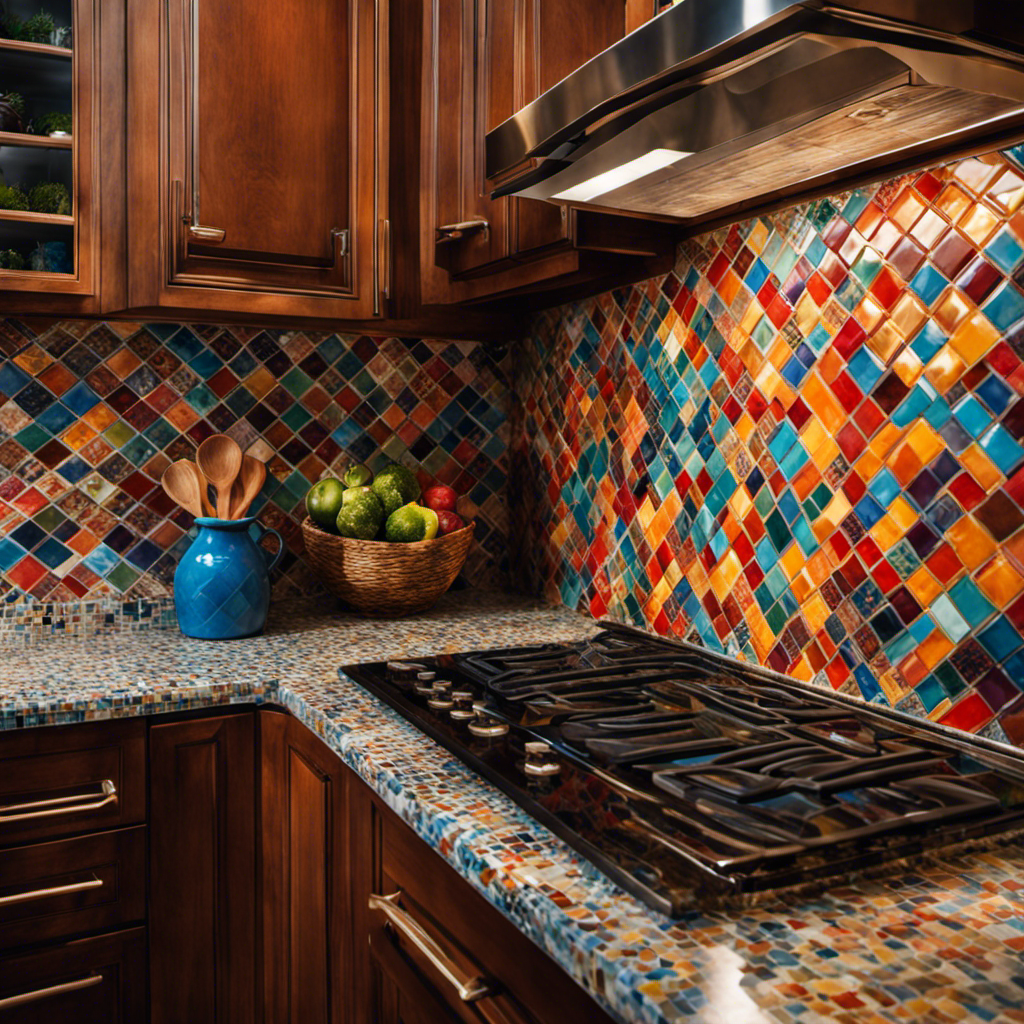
(940, 943)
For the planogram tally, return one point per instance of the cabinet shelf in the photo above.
(40, 49)
(43, 141)
(28, 217)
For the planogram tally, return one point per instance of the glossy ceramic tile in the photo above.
(940, 943)
(804, 446)
(92, 413)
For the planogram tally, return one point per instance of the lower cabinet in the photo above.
(202, 903)
(100, 980)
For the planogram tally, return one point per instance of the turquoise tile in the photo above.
(1006, 306)
(950, 621)
(971, 602)
(1002, 449)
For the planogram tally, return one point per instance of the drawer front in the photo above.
(91, 981)
(77, 778)
(52, 890)
(504, 977)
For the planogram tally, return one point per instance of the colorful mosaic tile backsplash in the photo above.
(92, 413)
(805, 446)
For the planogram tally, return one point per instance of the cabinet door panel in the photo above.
(203, 871)
(307, 970)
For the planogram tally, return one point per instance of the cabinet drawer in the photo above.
(504, 977)
(77, 778)
(91, 981)
(70, 886)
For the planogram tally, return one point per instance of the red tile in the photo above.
(850, 441)
(869, 417)
(26, 573)
(887, 287)
(969, 714)
(846, 391)
(885, 576)
(849, 338)
(944, 564)
(967, 491)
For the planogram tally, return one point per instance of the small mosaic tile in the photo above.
(804, 446)
(92, 413)
(940, 943)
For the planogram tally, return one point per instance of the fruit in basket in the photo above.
(440, 498)
(324, 501)
(395, 486)
(353, 492)
(358, 476)
(12, 198)
(448, 522)
(411, 523)
(361, 516)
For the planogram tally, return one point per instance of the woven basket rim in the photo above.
(412, 546)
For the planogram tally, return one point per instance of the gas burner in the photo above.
(686, 776)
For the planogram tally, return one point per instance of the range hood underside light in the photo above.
(691, 186)
(617, 177)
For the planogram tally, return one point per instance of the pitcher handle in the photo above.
(271, 559)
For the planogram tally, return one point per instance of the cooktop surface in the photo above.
(687, 777)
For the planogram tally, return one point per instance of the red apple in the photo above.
(440, 498)
(448, 522)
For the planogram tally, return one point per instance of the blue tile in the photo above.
(994, 393)
(928, 283)
(1000, 639)
(885, 487)
(1002, 449)
(1005, 307)
(972, 415)
(970, 601)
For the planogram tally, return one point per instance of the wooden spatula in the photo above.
(247, 485)
(220, 459)
(181, 481)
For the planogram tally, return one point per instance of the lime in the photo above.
(395, 486)
(411, 523)
(361, 516)
(324, 500)
(358, 476)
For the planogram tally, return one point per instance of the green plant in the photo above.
(16, 100)
(50, 197)
(12, 198)
(10, 259)
(45, 124)
(39, 28)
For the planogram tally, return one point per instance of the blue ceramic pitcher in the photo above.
(222, 583)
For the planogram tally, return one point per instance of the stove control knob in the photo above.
(404, 673)
(540, 761)
(440, 698)
(425, 683)
(463, 710)
(484, 726)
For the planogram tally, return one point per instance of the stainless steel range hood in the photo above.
(717, 103)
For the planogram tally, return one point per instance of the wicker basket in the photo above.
(385, 580)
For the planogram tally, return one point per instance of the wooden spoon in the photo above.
(220, 459)
(181, 481)
(247, 485)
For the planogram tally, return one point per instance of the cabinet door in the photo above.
(258, 155)
(68, 93)
(203, 871)
(483, 61)
(92, 981)
(307, 974)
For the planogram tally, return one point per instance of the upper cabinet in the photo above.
(61, 154)
(482, 61)
(257, 157)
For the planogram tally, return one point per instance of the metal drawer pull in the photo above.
(45, 993)
(452, 232)
(469, 988)
(207, 235)
(60, 805)
(56, 890)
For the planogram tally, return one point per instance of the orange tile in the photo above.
(1000, 581)
(952, 309)
(971, 542)
(979, 224)
(908, 367)
(934, 648)
(909, 314)
(945, 369)
(907, 209)
(981, 467)
(952, 201)
(886, 532)
(100, 416)
(78, 435)
(869, 313)
(924, 586)
(913, 669)
(33, 360)
(123, 363)
(886, 341)
(974, 337)
(181, 415)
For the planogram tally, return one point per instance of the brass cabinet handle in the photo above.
(206, 235)
(55, 890)
(453, 232)
(469, 987)
(53, 990)
(59, 805)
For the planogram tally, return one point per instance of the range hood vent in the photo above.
(717, 104)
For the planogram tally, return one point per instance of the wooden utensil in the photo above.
(247, 485)
(220, 459)
(181, 481)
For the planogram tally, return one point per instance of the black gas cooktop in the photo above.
(688, 778)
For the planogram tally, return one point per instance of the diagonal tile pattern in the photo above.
(805, 446)
(92, 413)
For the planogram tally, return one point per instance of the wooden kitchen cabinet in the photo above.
(482, 61)
(257, 158)
(202, 910)
(64, 261)
(411, 912)
(307, 966)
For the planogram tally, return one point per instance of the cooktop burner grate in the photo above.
(687, 777)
